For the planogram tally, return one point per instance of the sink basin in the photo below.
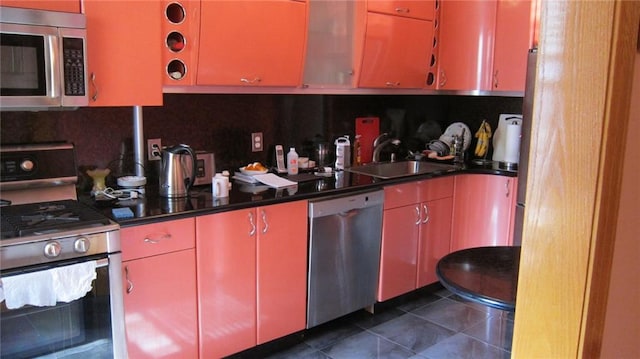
(387, 170)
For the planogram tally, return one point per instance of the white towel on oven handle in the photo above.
(46, 288)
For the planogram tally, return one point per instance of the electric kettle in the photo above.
(174, 180)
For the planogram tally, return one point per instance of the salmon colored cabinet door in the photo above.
(467, 32)
(53, 5)
(435, 238)
(282, 269)
(251, 276)
(252, 43)
(160, 306)
(514, 33)
(484, 208)
(423, 9)
(398, 256)
(226, 269)
(396, 52)
(124, 59)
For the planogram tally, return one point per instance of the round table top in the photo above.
(487, 275)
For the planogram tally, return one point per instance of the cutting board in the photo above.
(368, 128)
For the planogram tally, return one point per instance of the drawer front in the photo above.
(401, 195)
(157, 238)
(417, 9)
(436, 188)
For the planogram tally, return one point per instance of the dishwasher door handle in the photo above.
(350, 213)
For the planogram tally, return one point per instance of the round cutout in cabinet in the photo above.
(176, 69)
(175, 13)
(175, 41)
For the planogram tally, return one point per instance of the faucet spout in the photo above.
(380, 146)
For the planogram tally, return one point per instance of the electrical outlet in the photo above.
(256, 142)
(154, 148)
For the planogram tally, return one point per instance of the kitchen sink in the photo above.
(387, 170)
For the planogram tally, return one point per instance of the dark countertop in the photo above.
(153, 208)
(486, 275)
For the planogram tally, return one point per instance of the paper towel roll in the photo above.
(512, 146)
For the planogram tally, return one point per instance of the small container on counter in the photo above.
(292, 161)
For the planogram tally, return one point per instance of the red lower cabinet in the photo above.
(483, 211)
(251, 268)
(416, 233)
(159, 279)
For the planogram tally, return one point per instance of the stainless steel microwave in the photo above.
(43, 62)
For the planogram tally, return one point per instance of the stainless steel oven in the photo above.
(60, 263)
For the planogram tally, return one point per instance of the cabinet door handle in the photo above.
(495, 79)
(253, 225)
(402, 10)
(264, 221)
(129, 282)
(425, 209)
(392, 84)
(418, 216)
(162, 237)
(94, 97)
(247, 81)
(443, 78)
(506, 189)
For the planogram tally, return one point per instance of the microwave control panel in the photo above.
(73, 57)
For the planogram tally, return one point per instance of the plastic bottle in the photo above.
(343, 152)
(292, 161)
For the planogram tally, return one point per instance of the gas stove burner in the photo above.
(40, 218)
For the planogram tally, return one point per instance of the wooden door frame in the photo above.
(580, 117)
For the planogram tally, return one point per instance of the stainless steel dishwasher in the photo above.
(344, 255)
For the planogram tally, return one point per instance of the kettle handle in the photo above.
(187, 149)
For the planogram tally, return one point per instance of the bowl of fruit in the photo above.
(253, 169)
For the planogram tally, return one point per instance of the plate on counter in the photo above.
(247, 172)
(457, 129)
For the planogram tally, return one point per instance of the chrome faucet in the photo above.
(378, 145)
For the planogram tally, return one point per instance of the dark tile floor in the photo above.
(428, 323)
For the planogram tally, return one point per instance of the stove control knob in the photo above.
(81, 245)
(26, 165)
(52, 249)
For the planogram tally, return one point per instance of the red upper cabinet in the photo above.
(180, 41)
(483, 45)
(467, 32)
(396, 51)
(484, 210)
(396, 43)
(514, 38)
(252, 43)
(124, 58)
(52, 5)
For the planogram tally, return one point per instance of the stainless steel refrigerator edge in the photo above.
(525, 141)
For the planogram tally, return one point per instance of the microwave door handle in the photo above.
(53, 67)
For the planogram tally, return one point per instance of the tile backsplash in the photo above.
(223, 123)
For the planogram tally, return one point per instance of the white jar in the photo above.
(292, 162)
(343, 152)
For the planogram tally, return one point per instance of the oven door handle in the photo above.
(102, 262)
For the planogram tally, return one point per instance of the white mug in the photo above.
(220, 186)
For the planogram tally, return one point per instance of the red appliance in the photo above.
(368, 128)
